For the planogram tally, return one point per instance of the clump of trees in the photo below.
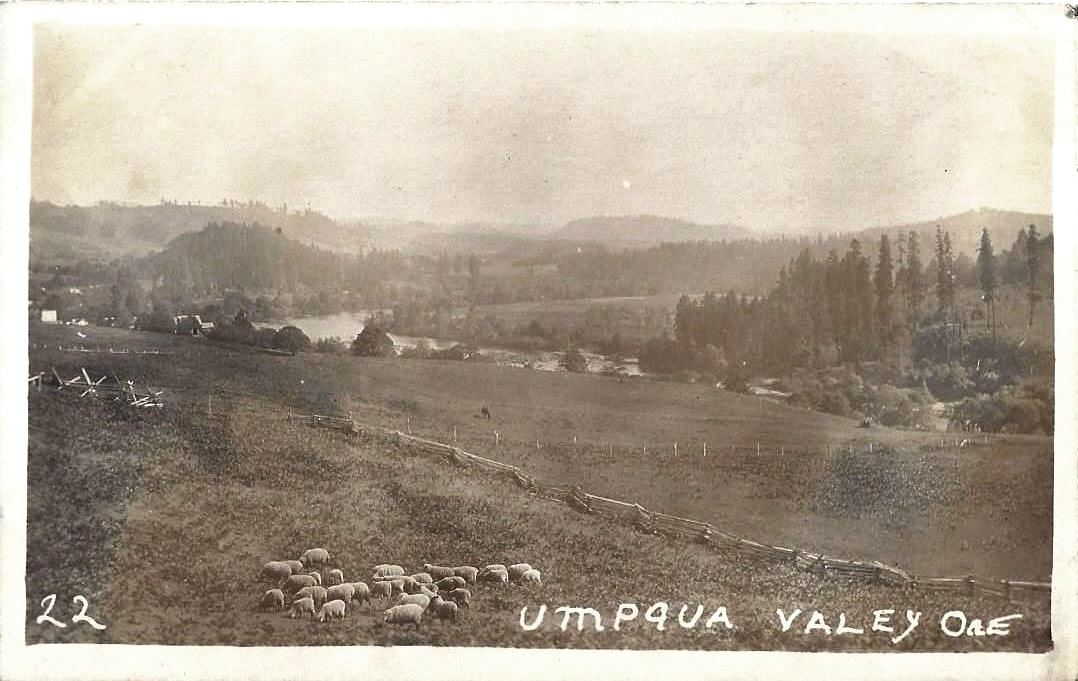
(372, 341)
(842, 311)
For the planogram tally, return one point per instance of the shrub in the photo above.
(330, 346)
(292, 339)
(372, 342)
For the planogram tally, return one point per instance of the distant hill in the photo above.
(645, 230)
(965, 229)
(110, 230)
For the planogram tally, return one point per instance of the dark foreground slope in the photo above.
(162, 520)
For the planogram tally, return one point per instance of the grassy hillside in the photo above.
(192, 499)
(902, 502)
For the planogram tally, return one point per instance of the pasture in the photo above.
(163, 518)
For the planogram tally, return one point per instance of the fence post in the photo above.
(536, 444)
(645, 450)
(757, 448)
(454, 435)
(705, 450)
(610, 449)
(497, 438)
(574, 439)
(675, 447)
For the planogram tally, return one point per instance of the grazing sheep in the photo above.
(437, 571)
(297, 582)
(450, 583)
(515, 571)
(497, 576)
(468, 572)
(334, 577)
(461, 597)
(304, 606)
(318, 593)
(398, 586)
(491, 568)
(419, 599)
(361, 592)
(344, 592)
(423, 578)
(272, 600)
(410, 585)
(531, 577)
(331, 610)
(317, 576)
(381, 590)
(276, 570)
(297, 566)
(409, 613)
(444, 610)
(314, 557)
(387, 570)
(428, 590)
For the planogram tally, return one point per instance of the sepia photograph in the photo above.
(544, 328)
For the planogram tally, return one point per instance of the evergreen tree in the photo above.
(986, 277)
(914, 281)
(883, 282)
(1032, 269)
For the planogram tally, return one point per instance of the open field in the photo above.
(162, 518)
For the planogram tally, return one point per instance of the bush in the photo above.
(373, 342)
(574, 362)
(330, 346)
(291, 339)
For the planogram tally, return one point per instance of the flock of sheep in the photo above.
(439, 592)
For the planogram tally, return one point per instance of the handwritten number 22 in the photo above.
(49, 601)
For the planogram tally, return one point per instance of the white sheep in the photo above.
(317, 576)
(515, 571)
(318, 593)
(496, 576)
(304, 606)
(345, 592)
(461, 597)
(409, 613)
(272, 600)
(468, 572)
(491, 568)
(276, 570)
(381, 590)
(448, 583)
(419, 599)
(297, 566)
(361, 592)
(428, 590)
(437, 571)
(331, 610)
(444, 610)
(387, 570)
(531, 577)
(314, 557)
(423, 578)
(334, 577)
(410, 586)
(297, 582)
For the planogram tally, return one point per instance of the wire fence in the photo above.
(686, 529)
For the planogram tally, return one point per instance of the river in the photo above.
(345, 325)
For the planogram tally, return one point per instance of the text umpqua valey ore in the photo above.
(895, 624)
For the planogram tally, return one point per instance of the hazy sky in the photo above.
(773, 131)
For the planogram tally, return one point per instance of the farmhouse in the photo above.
(48, 317)
(189, 324)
